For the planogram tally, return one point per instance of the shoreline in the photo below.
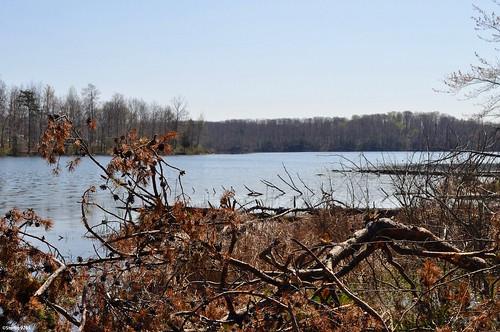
(248, 152)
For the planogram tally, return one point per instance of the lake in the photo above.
(28, 182)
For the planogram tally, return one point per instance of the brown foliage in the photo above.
(163, 265)
(429, 273)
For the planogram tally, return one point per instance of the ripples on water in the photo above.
(28, 182)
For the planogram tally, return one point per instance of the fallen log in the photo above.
(388, 231)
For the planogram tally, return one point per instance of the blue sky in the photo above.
(248, 59)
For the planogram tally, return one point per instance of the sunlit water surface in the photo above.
(28, 182)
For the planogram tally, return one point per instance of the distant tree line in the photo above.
(24, 112)
(395, 131)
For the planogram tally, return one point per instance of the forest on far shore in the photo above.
(24, 112)
(395, 131)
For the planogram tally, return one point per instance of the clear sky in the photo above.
(248, 59)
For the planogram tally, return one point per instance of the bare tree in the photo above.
(73, 107)
(482, 79)
(28, 100)
(90, 97)
(179, 108)
(48, 105)
(3, 113)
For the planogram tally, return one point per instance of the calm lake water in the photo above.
(28, 182)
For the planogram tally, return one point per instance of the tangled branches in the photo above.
(161, 265)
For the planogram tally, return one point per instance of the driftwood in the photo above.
(383, 233)
(387, 231)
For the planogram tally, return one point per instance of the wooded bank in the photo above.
(25, 110)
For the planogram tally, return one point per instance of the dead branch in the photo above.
(40, 291)
(362, 304)
(383, 230)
